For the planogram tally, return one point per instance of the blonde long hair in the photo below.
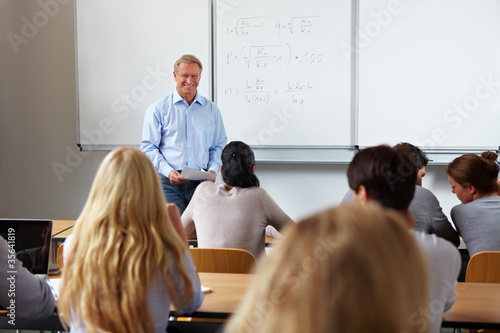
(347, 269)
(123, 240)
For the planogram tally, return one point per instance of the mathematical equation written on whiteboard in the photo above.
(256, 92)
(268, 56)
(269, 60)
(247, 26)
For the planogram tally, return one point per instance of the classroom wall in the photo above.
(42, 173)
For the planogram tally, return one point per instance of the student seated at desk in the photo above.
(352, 268)
(235, 214)
(31, 297)
(474, 180)
(127, 259)
(387, 176)
(425, 207)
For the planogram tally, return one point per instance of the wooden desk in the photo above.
(227, 292)
(61, 229)
(477, 306)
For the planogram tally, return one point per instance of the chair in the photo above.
(59, 256)
(484, 267)
(223, 260)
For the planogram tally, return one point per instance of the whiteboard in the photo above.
(282, 77)
(429, 73)
(125, 51)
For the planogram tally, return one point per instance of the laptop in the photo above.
(31, 240)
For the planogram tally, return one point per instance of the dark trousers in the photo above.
(178, 194)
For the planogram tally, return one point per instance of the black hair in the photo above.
(238, 161)
(420, 158)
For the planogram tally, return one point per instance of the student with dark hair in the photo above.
(420, 158)
(387, 176)
(236, 213)
(424, 206)
(238, 165)
(474, 180)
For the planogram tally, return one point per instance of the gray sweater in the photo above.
(29, 295)
(478, 222)
(232, 219)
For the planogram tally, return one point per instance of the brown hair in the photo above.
(388, 175)
(473, 170)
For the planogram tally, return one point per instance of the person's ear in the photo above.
(253, 169)
(472, 189)
(221, 170)
(362, 195)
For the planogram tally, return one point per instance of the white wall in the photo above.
(38, 129)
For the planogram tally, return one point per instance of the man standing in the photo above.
(183, 129)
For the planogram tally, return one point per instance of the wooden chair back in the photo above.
(484, 267)
(59, 256)
(223, 260)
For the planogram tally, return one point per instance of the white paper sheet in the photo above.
(193, 174)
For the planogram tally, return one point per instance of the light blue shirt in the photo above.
(176, 134)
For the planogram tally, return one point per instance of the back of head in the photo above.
(187, 59)
(388, 176)
(353, 268)
(419, 157)
(121, 242)
(238, 161)
(473, 170)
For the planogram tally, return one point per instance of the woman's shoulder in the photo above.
(253, 190)
(208, 187)
(481, 206)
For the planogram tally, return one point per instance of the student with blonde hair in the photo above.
(127, 258)
(347, 269)
(474, 181)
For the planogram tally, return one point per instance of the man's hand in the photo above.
(175, 178)
(210, 180)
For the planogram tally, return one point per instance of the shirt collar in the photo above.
(197, 99)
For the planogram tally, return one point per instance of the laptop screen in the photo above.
(31, 240)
